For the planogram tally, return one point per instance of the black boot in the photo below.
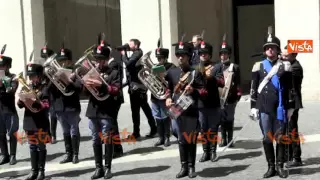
(42, 164)
(4, 158)
(34, 166)
(183, 150)
(160, 130)
(118, 150)
(213, 147)
(53, 127)
(108, 160)
(206, 152)
(166, 124)
(230, 133)
(280, 159)
(153, 132)
(75, 147)
(192, 160)
(97, 149)
(294, 163)
(13, 149)
(269, 152)
(223, 137)
(69, 153)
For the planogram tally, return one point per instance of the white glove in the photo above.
(254, 113)
(289, 113)
(286, 65)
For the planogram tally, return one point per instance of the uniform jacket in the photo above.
(105, 109)
(116, 64)
(167, 65)
(195, 59)
(212, 83)
(7, 96)
(132, 70)
(235, 89)
(297, 77)
(40, 120)
(267, 101)
(64, 103)
(173, 77)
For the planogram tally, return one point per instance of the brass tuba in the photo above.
(51, 70)
(155, 84)
(86, 68)
(27, 90)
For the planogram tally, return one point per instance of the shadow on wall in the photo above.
(79, 22)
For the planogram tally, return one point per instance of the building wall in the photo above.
(302, 23)
(79, 22)
(215, 17)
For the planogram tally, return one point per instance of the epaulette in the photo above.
(256, 66)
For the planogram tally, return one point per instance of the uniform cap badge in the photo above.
(29, 68)
(44, 50)
(269, 38)
(98, 50)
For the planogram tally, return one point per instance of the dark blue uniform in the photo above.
(101, 114)
(37, 124)
(9, 120)
(234, 95)
(187, 124)
(270, 102)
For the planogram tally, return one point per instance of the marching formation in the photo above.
(192, 99)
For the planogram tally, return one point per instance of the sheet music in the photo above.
(24, 96)
(2, 74)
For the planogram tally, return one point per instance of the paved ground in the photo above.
(142, 161)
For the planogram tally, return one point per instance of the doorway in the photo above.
(251, 20)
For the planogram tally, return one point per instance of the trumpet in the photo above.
(157, 85)
(28, 90)
(51, 70)
(87, 69)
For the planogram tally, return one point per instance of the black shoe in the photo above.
(4, 158)
(282, 173)
(75, 147)
(167, 133)
(118, 151)
(167, 142)
(269, 152)
(152, 133)
(134, 136)
(223, 137)
(192, 152)
(294, 163)
(206, 153)
(280, 159)
(184, 161)
(230, 134)
(34, 165)
(13, 149)
(213, 150)
(160, 130)
(69, 151)
(99, 172)
(13, 160)
(270, 172)
(108, 160)
(42, 163)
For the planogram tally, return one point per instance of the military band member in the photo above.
(116, 64)
(137, 91)
(159, 109)
(185, 78)
(36, 121)
(195, 58)
(9, 120)
(297, 77)
(46, 53)
(68, 108)
(234, 93)
(209, 106)
(272, 103)
(100, 113)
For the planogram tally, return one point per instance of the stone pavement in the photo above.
(142, 161)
